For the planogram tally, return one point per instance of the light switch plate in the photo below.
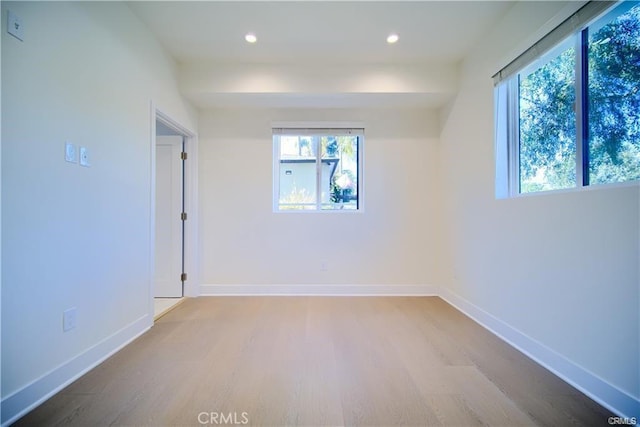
(15, 27)
(84, 157)
(70, 153)
(69, 318)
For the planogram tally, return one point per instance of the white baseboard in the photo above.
(609, 396)
(319, 290)
(24, 400)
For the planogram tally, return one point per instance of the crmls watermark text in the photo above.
(623, 421)
(223, 418)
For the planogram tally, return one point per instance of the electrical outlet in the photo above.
(69, 319)
(15, 26)
(84, 157)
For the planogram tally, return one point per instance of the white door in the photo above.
(169, 243)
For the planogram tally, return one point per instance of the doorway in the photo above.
(170, 216)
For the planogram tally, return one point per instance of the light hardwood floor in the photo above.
(318, 361)
(162, 306)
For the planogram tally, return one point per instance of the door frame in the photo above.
(191, 267)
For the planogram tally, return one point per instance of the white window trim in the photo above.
(507, 173)
(310, 127)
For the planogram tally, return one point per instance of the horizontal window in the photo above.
(571, 117)
(317, 169)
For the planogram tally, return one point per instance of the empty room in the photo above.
(320, 213)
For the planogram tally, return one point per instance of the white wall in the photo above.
(326, 85)
(391, 242)
(75, 236)
(1, 15)
(560, 268)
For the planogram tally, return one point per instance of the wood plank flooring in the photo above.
(162, 305)
(318, 361)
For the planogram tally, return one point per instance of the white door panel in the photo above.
(168, 262)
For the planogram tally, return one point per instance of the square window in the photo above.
(317, 169)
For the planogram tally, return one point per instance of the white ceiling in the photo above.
(317, 32)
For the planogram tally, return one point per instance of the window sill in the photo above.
(581, 189)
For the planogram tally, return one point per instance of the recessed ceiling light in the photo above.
(393, 37)
(251, 38)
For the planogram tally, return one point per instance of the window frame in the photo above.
(507, 112)
(317, 129)
(514, 114)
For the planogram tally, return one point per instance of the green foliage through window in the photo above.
(548, 125)
(607, 56)
(614, 99)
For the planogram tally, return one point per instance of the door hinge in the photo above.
(183, 155)
(183, 216)
(183, 277)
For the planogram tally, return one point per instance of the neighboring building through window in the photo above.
(317, 169)
(571, 117)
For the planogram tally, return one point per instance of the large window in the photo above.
(317, 169)
(573, 113)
